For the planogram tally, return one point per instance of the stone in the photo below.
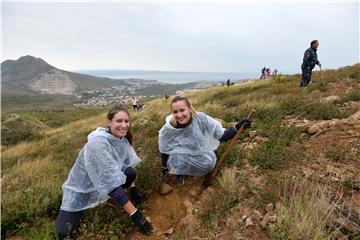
(259, 139)
(240, 190)
(166, 232)
(257, 215)
(319, 126)
(189, 206)
(354, 105)
(267, 218)
(334, 122)
(330, 99)
(269, 207)
(165, 189)
(355, 116)
(248, 222)
(252, 134)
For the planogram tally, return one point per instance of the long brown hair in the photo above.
(187, 102)
(114, 110)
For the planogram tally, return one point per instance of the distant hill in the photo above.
(33, 75)
(29, 75)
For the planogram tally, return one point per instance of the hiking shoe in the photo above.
(180, 180)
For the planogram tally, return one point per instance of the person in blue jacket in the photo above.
(309, 61)
(103, 170)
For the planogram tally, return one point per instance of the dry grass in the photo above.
(33, 171)
(229, 181)
(306, 211)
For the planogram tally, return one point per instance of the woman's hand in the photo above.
(244, 122)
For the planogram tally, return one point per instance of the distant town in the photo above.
(123, 94)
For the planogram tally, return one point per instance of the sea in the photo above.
(171, 77)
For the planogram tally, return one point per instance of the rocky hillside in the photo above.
(30, 75)
(294, 175)
(34, 75)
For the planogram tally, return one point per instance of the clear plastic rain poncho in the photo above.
(99, 168)
(191, 149)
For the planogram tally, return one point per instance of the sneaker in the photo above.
(180, 180)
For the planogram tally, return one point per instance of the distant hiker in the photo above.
(309, 61)
(140, 106)
(134, 102)
(228, 82)
(188, 139)
(102, 171)
(275, 72)
(263, 73)
(166, 97)
(268, 72)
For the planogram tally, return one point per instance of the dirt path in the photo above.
(167, 211)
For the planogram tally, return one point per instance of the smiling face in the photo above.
(181, 112)
(119, 125)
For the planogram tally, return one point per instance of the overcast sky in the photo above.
(192, 36)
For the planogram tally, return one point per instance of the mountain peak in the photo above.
(29, 59)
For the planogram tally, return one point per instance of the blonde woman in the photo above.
(188, 139)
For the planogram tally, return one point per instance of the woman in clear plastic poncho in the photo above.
(101, 172)
(188, 139)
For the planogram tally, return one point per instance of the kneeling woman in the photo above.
(102, 170)
(188, 139)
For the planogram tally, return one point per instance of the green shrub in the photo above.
(103, 222)
(325, 111)
(18, 130)
(275, 152)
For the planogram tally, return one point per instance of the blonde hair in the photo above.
(173, 121)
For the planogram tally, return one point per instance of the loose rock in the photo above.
(269, 207)
(330, 99)
(165, 189)
(248, 222)
(252, 134)
(166, 232)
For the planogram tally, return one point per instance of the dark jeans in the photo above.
(305, 77)
(68, 222)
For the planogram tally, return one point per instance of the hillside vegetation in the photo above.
(287, 182)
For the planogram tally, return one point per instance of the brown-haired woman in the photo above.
(188, 139)
(102, 170)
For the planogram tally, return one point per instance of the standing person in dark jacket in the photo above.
(309, 62)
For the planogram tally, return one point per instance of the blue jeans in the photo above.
(305, 77)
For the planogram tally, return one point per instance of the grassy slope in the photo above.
(33, 171)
